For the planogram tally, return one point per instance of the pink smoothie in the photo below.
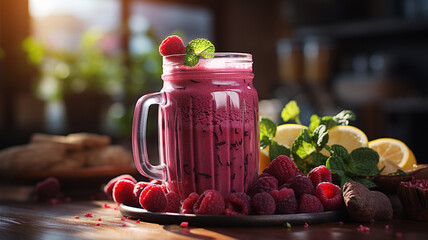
(209, 125)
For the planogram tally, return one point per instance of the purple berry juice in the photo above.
(208, 125)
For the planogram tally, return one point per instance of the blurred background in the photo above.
(80, 65)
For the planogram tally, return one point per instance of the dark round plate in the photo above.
(230, 221)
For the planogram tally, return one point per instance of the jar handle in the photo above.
(139, 143)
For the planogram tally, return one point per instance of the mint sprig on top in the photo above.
(197, 48)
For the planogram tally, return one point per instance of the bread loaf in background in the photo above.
(54, 152)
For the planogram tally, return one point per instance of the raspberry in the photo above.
(153, 182)
(264, 184)
(264, 174)
(123, 192)
(139, 187)
(153, 199)
(173, 201)
(283, 168)
(330, 195)
(210, 202)
(156, 181)
(188, 203)
(285, 201)
(108, 188)
(238, 204)
(319, 174)
(310, 204)
(263, 204)
(301, 185)
(47, 189)
(285, 185)
(172, 45)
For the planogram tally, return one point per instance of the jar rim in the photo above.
(225, 61)
(216, 55)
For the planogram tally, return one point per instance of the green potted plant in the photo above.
(89, 79)
(85, 79)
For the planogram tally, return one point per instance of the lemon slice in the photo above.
(390, 167)
(348, 136)
(264, 159)
(393, 151)
(285, 135)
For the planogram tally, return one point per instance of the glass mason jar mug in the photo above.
(208, 126)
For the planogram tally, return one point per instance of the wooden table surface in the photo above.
(59, 221)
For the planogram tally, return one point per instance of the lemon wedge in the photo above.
(348, 136)
(394, 152)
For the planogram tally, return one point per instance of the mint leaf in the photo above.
(344, 179)
(317, 159)
(335, 164)
(327, 147)
(315, 122)
(302, 164)
(328, 121)
(366, 182)
(356, 169)
(397, 173)
(344, 117)
(340, 151)
(190, 60)
(264, 142)
(276, 149)
(291, 112)
(197, 48)
(363, 162)
(267, 128)
(320, 137)
(302, 145)
(341, 118)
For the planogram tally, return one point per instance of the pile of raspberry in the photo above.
(285, 190)
(280, 189)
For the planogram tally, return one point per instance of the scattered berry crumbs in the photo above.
(363, 229)
(88, 214)
(138, 221)
(106, 205)
(184, 224)
(97, 224)
(99, 219)
(76, 217)
(123, 225)
(306, 225)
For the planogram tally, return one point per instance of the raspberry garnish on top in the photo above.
(172, 45)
